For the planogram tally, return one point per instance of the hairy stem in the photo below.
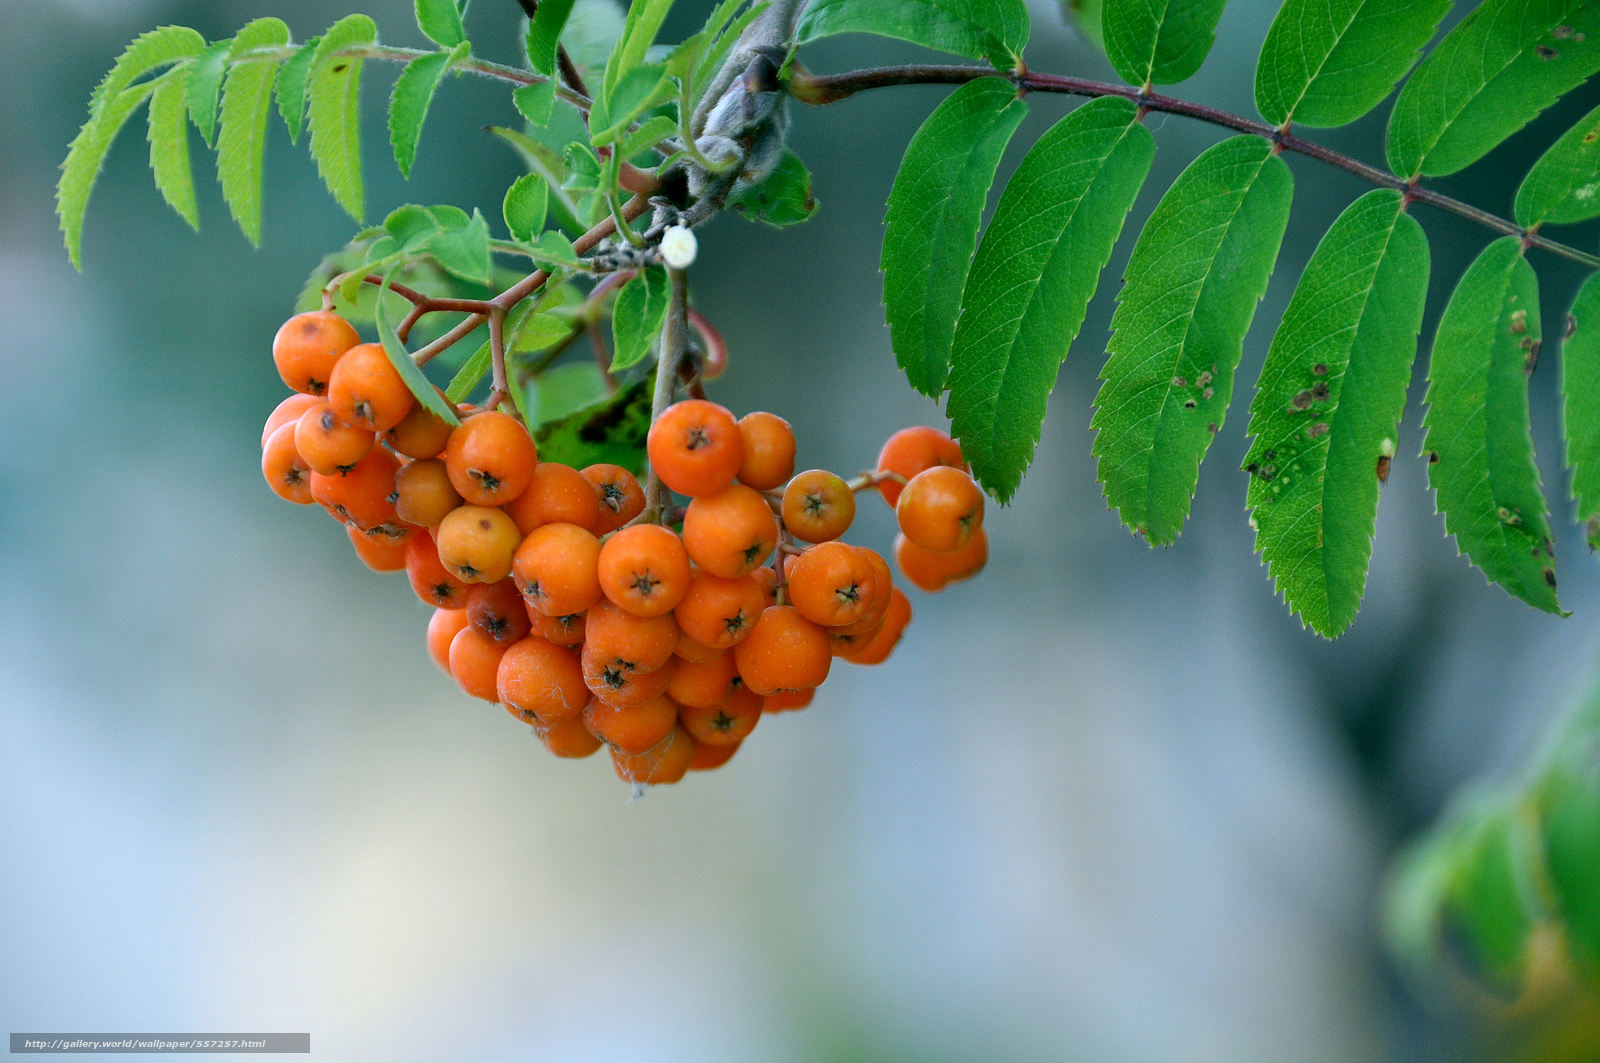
(831, 88)
(674, 348)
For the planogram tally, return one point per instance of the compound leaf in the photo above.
(1032, 277)
(1580, 398)
(335, 90)
(86, 154)
(995, 30)
(146, 52)
(440, 21)
(1195, 276)
(1328, 406)
(203, 87)
(1492, 74)
(246, 103)
(544, 34)
(636, 317)
(1564, 185)
(169, 149)
(293, 77)
(1328, 62)
(413, 92)
(931, 226)
(1480, 452)
(1159, 41)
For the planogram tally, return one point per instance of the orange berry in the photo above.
(556, 569)
(910, 451)
(643, 644)
(475, 662)
(442, 628)
(539, 681)
(326, 443)
(286, 412)
(557, 494)
(476, 543)
(367, 391)
(380, 553)
(423, 494)
(644, 569)
(788, 700)
(567, 738)
(766, 578)
(720, 725)
(611, 680)
(632, 728)
(832, 584)
(731, 532)
(882, 592)
(784, 652)
(618, 494)
(287, 473)
(490, 458)
(664, 763)
(688, 649)
(420, 433)
(704, 683)
(888, 634)
(709, 758)
(561, 630)
(940, 509)
(360, 494)
(695, 447)
(307, 346)
(768, 450)
(496, 610)
(932, 571)
(818, 506)
(431, 581)
(718, 612)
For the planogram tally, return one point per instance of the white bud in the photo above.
(679, 247)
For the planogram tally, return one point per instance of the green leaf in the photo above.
(995, 30)
(246, 103)
(637, 315)
(1580, 398)
(711, 61)
(931, 226)
(1328, 62)
(86, 154)
(783, 198)
(563, 389)
(544, 34)
(440, 21)
(1194, 279)
(1501, 65)
(424, 392)
(203, 87)
(1480, 451)
(1328, 405)
(636, 91)
(146, 52)
(335, 91)
(555, 249)
(464, 250)
(413, 92)
(539, 332)
(1489, 906)
(1088, 17)
(293, 77)
(526, 203)
(1570, 800)
(1159, 41)
(647, 135)
(169, 150)
(471, 373)
(1035, 269)
(611, 430)
(638, 34)
(536, 102)
(1563, 187)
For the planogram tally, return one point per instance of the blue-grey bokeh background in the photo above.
(1105, 804)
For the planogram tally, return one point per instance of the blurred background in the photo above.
(1104, 803)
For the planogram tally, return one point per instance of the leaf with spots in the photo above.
(1580, 403)
(1328, 406)
(1491, 75)
(1035, 270)
(1328, 62)
(611, 430)
(1480, 451)
(1199, 268)
(1159, 41)
(1563, 187)
(931, 227)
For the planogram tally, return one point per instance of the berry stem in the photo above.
(868, 481)
(674, 348)
(500, 389)
(821, 89)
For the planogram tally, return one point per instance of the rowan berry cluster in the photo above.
(597, 615)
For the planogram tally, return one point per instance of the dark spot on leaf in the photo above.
(1320, 369)
(1530, 360)
(339, 68)
(1189, 404)
(1572, 327)
(1519, 322)
(1253, 466)
(1207, 393)
(1383, 468)
(1544, 51)
(1320, 428)
(1561, 33)
(1550, 577)
(1269, 455)
(1203, 379)
(1302, 400)
(1433, 457)
(1320, 393)
(1179, 382)
(1212, 428)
